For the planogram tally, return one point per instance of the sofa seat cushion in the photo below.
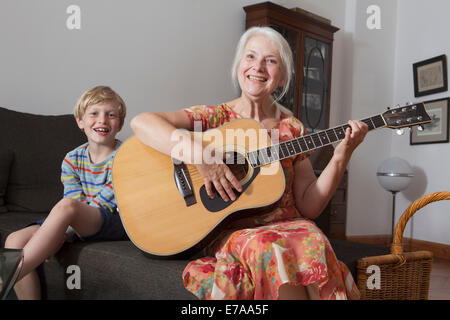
(118, 270)
(109, 269)
(13, 221)
(113, 270)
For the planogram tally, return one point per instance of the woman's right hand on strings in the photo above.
(155, 130)
(221, 177)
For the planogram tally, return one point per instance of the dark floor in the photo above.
(440, 280)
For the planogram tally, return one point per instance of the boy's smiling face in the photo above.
(101, 123)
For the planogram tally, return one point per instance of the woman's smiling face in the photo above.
(260, 70)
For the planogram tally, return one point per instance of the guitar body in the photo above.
(155, 215)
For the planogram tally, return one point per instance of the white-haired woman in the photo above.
(280, 254)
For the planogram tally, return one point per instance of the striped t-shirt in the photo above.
(88, 182)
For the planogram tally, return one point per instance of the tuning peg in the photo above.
(400, 132)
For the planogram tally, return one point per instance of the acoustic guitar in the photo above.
(163, 203)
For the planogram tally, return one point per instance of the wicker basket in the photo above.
(402, 276)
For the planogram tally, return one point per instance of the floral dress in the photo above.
(258, 254)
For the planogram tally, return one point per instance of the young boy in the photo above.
(88, 207)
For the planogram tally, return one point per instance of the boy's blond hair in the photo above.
(97, 95)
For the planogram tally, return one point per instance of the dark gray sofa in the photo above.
(31, 150)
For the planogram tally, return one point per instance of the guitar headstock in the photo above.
(406, 116)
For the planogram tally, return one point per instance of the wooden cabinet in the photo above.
(333, 219)
(311, 40)
(338, 210)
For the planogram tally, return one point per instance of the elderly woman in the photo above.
(280, 254)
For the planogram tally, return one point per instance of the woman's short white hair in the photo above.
(283, 48)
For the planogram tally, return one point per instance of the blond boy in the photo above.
(88, 207)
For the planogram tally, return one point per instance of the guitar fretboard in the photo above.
(307, 143)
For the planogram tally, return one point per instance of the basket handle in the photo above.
(396, 246)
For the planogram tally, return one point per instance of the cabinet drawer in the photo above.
(338, 213)
(343, 182)
(339, 196)
(337, 231)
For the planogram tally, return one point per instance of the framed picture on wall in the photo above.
(430, 76)
(437, 130)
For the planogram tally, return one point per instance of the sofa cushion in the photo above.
(39, 144)
(113, 270)
(118, 270)
(13, 221)
(6, 157)
(109, 269)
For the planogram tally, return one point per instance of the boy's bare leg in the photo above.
(29, 287)
(292, 292)
(49, 238)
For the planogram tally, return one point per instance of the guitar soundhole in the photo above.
(237, 163)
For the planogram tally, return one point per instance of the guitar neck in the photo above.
(307, 143)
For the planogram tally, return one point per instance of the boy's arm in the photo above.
(71, 181)
(106, 198)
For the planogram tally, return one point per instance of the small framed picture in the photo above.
(437, 130)
(430, 76)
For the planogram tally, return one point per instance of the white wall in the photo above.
(422, 33)
(369, 210)
(372, 69)
(362, 85)
(411, 31)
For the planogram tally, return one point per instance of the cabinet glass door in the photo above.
(314, 114)
(288, 99)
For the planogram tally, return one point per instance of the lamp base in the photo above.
(394, 193)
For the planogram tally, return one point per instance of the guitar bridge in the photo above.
(184, 183)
